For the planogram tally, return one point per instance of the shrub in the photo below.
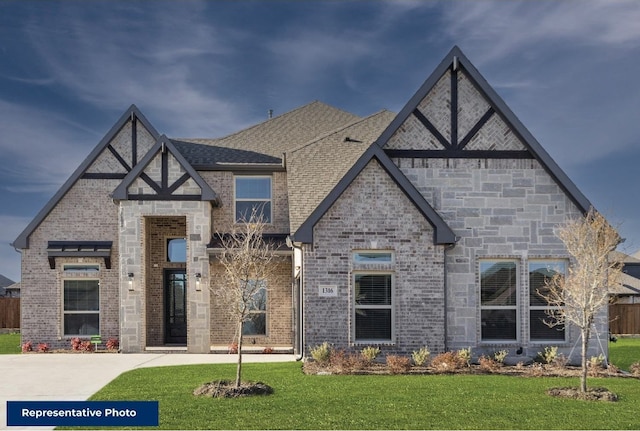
(232, 348)
(343, 362)
(43, 347)
(499, 356)
(76, 344)
(370, 354)
(421, 356)
(549, 355)
(465, 356)
(86, 346)
(635, 369)
(112, 344)
(398, 364)
(27, 347)
(561, 361)
(447, 361)
(267, 350)
(595, 363)
(321, 353)
(489, 364)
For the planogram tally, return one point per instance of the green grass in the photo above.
(10, 344)
(624, 352)
(373, 402)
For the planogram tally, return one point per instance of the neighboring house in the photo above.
(4, 284)
(12, 291)
(431, 227)
(627, 291)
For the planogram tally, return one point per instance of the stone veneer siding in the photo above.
(133, 324)
(279, 310)
(499, 209)
(374, 214)
(85, 213)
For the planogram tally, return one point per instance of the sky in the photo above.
(69, 69)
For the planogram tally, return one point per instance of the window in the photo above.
(498, 299)
(81, 307)
(373, 257)
(81, 268)
(257, 323)
(373, 307)
(539, 273)
(176, 250)
(253, 194)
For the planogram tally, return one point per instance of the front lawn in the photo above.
(10, 344)
(373, 402)
(624, 352)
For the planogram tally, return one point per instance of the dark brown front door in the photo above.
(175, 294)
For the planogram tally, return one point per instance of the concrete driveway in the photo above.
(75, 377)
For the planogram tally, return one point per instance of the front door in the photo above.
(175, 300)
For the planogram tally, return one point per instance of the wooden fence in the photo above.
(10, 313)
(624, 318)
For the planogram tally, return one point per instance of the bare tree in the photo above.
(579, 295)
(247, 261)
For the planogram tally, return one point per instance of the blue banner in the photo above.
(82, 413)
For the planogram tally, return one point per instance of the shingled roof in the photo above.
(213, 157)
(315, 168)
(285, 132)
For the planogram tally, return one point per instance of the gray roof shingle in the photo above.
(203, 157)
(315, 168)
(285, 132)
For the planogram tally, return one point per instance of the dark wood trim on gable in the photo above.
(476, 128)
(434, 131)
(459, 154)
(103, 176)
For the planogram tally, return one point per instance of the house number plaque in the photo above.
(328, 290)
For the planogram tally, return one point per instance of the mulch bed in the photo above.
(592, 394)
(228, 389)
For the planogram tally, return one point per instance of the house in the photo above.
(430, 227)
(4, 284)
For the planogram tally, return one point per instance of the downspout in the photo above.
(300, 313)
(446, 288)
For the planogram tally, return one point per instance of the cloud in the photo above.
(118, 59)
(504, 28)
(44, 147)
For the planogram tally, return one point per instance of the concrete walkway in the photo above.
(75, 377)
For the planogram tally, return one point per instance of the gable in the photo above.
(164, 174)
(108, 160)
(314, 169)
(442, 233)
(456, 114)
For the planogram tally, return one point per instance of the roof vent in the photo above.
(349, 139)
(270, 113)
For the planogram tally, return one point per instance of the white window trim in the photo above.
(270, 200)
(63, 312)
(515, 307)
(544, 307)
(384, 307)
